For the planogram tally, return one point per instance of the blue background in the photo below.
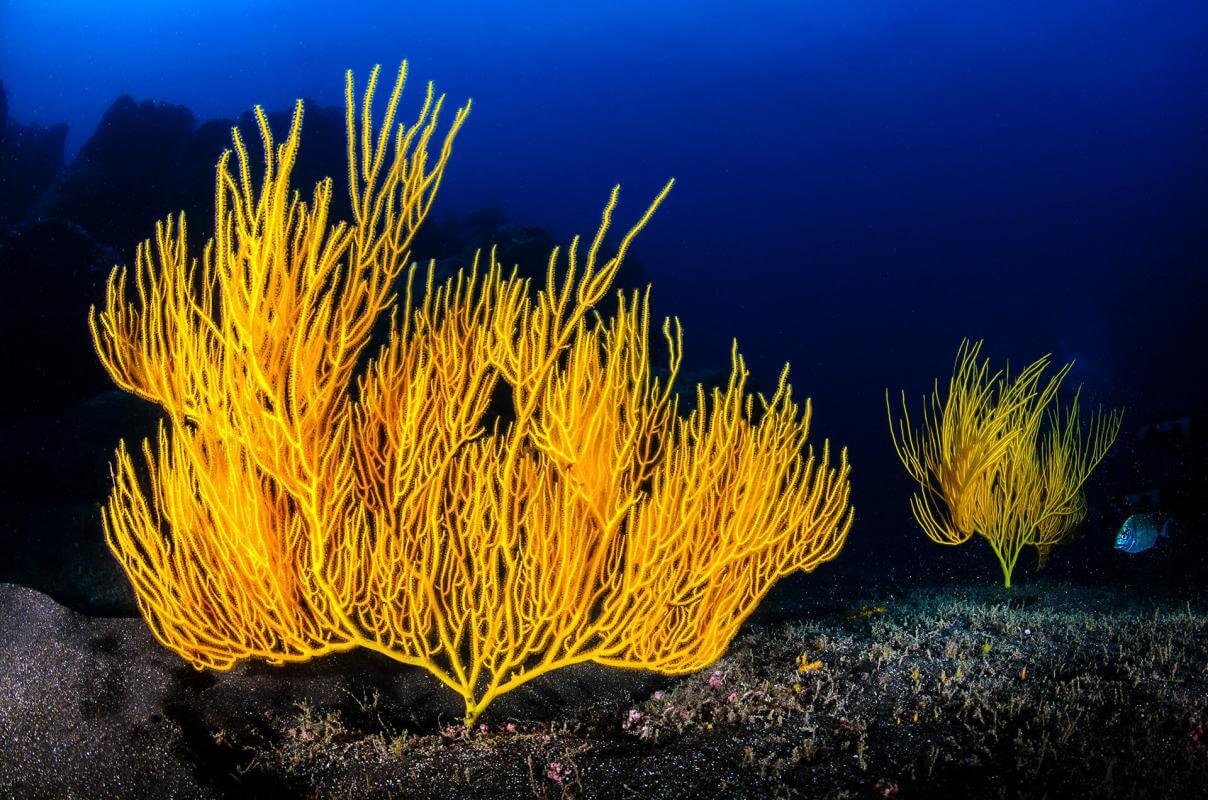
(860, 184)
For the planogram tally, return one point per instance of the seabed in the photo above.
(1047, 690)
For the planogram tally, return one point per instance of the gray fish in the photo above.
(1141, 532)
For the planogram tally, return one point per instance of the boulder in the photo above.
(31, 156)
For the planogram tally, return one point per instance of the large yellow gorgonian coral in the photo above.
(297, 504)
(989, 460)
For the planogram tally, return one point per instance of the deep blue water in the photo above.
(860, 184)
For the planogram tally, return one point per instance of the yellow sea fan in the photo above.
(296, 506)
(986, 463)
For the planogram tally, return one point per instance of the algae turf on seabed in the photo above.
(1055, 690)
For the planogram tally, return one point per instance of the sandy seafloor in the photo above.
(1047, 690)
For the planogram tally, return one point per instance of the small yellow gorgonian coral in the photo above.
(997, 457)
(298, 504)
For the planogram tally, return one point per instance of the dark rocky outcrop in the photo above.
(140, 165)
(149, 160)
(52, 481)
(52, 270)
(30, 158)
